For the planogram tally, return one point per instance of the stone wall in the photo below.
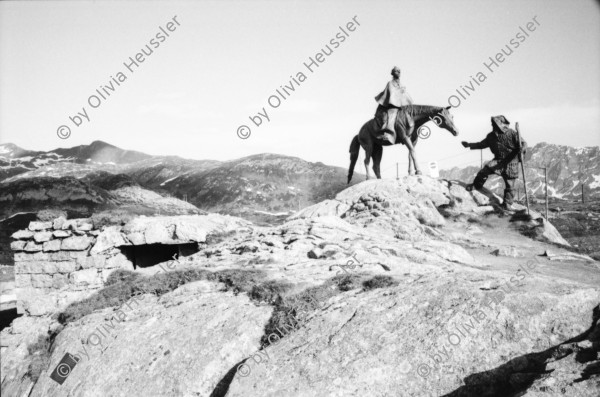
(60, 262)
(54, 265)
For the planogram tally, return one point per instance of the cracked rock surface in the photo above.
(476, 309)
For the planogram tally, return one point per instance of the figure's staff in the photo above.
(520, 156)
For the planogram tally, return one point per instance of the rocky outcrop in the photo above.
(179, 230)
(417, 287)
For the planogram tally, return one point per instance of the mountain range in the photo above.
(264, 188)
(98, 177)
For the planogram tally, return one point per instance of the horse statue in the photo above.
(420, 114)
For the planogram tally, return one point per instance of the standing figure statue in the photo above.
(504, 144)
(392, 99)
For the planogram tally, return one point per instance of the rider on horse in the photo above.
(390, 101)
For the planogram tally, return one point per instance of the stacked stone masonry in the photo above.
(54, 265)
(63, 261)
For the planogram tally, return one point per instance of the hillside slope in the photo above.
(260, 183)
(411, 288)
(264, 188)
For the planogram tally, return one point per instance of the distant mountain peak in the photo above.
(98, 143)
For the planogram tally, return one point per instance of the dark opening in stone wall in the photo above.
(6, 317)
(7, 228)
(153, 254)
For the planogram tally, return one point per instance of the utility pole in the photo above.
(546, 182)
(521, 159)
(582, 193)
(397, 172)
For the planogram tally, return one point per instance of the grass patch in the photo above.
(270, 291)
(292, 311)
(40, 353)
(123, 285)
(121, 275)
(521, 216)
(115, 217)
(347, 282)
(49, 215)
(379, 282)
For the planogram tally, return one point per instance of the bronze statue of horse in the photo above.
(368, 137)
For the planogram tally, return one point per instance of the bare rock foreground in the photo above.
(417, 288)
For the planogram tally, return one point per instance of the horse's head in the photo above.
(444, 119)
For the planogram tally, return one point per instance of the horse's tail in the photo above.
(354, 149)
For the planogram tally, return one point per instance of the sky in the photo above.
(223, 62)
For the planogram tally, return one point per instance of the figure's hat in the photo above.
(500, 122)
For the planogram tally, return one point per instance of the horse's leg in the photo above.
(377, 154)
(368, 153)
(410, 164)
(413, 154)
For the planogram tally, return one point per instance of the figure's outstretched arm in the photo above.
(478, 145)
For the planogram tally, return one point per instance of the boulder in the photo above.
(41, 237)
(58, 223)
(84, 224)
(38, 226)
(66, 266)
(18, 245)
(167, 352)
(85, 277)
(510, 252)
(109, 237)
(61, 233)
(51, 246)
(561, 256)
(70, 224)
(76, 243)
(32, 247)
(324, 208)
(315, 253)
(179, 229)
(22, 235)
